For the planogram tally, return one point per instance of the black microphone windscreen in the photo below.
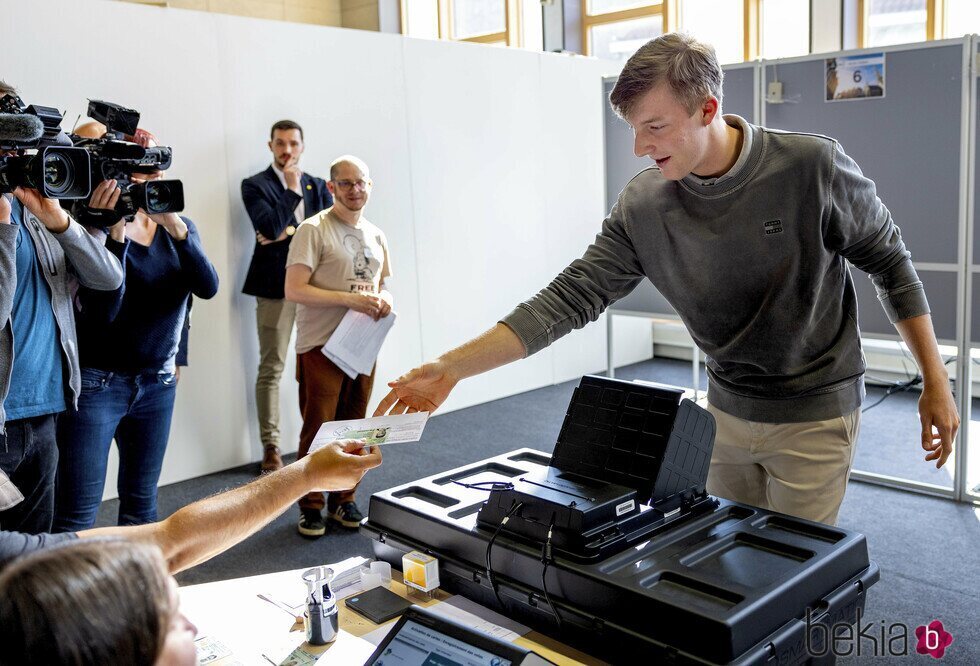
(20, 127)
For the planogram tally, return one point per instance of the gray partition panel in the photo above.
(976, 204)
(940, 289)
(908, 142)
(975, 322)
(645, 298)
(622, 165)
(739, 93)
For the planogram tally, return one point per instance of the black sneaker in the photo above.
(311, 523)
(348, 515)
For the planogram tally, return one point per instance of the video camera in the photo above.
(54, 167)
(114, 158)
(65, 166)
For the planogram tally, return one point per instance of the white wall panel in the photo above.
(477, 172)
(574, 187)
(349, 98)
(175, 91)
(486, 163)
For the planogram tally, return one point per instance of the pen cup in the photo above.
(320, 618)
(321, 623)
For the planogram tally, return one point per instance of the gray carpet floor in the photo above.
(928, 549)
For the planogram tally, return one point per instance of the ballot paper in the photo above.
(393, 429)
(355, 344)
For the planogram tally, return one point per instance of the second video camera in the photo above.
(114, 158)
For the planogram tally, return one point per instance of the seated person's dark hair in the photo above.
(94, 601)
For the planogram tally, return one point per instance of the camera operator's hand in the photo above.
(172, 223)
(4, 209)
(102, 204)
(293, 175)
(48, 211)
(105, 196)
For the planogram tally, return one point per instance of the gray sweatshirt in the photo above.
(90, 262)
(754, 264)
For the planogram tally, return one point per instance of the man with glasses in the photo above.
(338, 261)
(277, 200)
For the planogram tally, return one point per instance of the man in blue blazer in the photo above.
(277, 200)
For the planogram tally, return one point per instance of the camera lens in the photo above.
(162, 196)
(61, 173)
(157, 197)
(58, 174)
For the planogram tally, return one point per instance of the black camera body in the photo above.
(45, 159)
(63, 166)
(114, 158)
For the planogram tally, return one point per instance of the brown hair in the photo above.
(6, 89)
(93, 601)
(690, 67)
(285, 125)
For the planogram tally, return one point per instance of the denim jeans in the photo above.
(29, 456)
(135, 409)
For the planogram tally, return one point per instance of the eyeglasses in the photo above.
(348, 184)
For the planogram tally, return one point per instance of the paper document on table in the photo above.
(355, 344)
(291, 597)
(394, 429)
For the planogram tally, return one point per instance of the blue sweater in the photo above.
(137, 327)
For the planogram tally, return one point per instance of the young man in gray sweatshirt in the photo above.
(745, 231)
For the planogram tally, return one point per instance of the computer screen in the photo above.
(418, 645)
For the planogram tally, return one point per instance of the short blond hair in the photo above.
(689, 66)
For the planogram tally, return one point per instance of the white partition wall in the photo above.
(487, 164)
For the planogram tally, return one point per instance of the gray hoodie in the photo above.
(754, 264)
(75, 251)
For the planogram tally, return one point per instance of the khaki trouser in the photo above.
(327, 394)
(274, 318)
(800, 469)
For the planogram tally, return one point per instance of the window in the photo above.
(895, 22)
(738, 29)
(721, 24)
(785, 28)
(495, 22)
(614, 29)
(962, 18)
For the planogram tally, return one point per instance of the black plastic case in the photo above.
(733, 585)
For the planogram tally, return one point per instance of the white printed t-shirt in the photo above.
(342, 258)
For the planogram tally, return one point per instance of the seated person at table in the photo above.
(111, 599)
(100, 601)
(210, 526)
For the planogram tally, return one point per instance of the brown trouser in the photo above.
(327, 394)
(796, 468)
(274, 318)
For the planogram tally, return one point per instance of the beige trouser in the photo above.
(274, 318)
(800, 469)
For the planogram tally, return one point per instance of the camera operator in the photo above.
(128, 340)
(40, 247)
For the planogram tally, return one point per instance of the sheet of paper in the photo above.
(292, 598)
(355, 344)
(394, 429)
(480, 618)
